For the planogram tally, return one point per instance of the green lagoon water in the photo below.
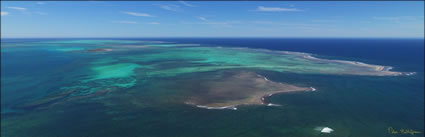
(139, 88)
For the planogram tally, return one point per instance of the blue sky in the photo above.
(212, 19)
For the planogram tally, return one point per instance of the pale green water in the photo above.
(115, 71)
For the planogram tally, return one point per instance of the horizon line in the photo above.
(206, 37)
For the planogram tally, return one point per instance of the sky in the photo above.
(79, 19)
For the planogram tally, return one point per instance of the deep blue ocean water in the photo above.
(352, 105)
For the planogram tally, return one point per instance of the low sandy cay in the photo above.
(238, 88)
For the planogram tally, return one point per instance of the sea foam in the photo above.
(324, 129)
(225, 107)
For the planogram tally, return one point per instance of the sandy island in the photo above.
(239, 88)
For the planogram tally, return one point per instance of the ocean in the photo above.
(75, 87)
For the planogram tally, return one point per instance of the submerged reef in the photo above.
(99, 50)
(125, 64)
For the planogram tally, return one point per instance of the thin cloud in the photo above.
(276, 9)
(4, 13)
(263, 22)
(203, 19)
(154, 23)
(209, 22)
(40, 3)
(399, 19)
(299, 24)
(40, 13)
(25, 11)
(127, 22)
(138, 14)
(18, 8)
(288, 24)
(387, 18)
(169, 7)
(324, 21)
(187, 4)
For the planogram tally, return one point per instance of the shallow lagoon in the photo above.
(143, 87)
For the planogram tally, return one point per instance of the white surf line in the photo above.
(207, 107)
(273, 105)
(311, 57)
(324, 129)
(225, 107)
(269, 104)
(327, 130)
(383, 68)
(409, 73)
(265, 78)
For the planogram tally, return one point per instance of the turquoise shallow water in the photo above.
(59, 88)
